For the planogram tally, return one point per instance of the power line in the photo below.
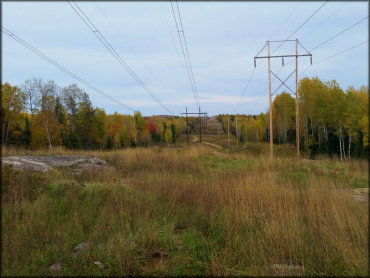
(115, 28)
(300, 26)
(332, 56)
(326, 19)
(336, 35)
(283, 22)
(245, 89)
(57, 65)
(185, 53)
(120, 60)
(284, 42)
(134, 51)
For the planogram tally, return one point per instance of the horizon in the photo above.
(222, 39)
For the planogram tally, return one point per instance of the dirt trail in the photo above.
(195, 139)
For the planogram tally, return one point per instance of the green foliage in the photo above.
(187, 212)
(332, 121)
(23, 186)
(27, 134)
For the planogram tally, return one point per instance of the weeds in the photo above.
(188, 212)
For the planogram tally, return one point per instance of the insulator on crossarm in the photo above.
(311, 60)
(282, 61)
(255, 62)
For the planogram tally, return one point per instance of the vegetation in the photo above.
(207, 209)
(332, 121)
(38, 114)
(192, 211)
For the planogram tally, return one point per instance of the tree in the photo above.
(283, 110)
(12, 104)
(32, 90)
(364, 124)
(71, 97)
(46, 117)
(60, 111)
(139, 127)
(27, 134)
(45, 131)
(168, 136)
(173, 131)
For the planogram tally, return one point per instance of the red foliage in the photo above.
(152, 127)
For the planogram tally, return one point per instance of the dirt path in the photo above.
(213, 145)
(195, 139)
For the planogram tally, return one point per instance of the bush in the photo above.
(19, 186)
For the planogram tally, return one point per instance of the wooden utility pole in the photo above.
(296, 55)
(296, 99)
(187, 123)
(187, 127)
(270, 99)
(200, 126)
(228, 130)
(236, 129)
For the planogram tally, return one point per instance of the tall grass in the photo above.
(192, 212)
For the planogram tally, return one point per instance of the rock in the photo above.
(55, 267)
(99, 264)
(25, 162)
(361, 197)
(285, 269)
(359, 194)
(80, 247)
(50, 162)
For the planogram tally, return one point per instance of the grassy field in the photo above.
(199, 210)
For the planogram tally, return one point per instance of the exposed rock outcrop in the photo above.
(47, 163)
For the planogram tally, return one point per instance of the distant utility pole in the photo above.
(236, 129)
(187, 124)
(187, 127)
(296, 55)
(228, 130)
(200, 127)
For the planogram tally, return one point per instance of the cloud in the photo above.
(222, 38)
(208, 99)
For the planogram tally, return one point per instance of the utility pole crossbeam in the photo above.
(296, 55)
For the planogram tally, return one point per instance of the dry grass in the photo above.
(236, 214)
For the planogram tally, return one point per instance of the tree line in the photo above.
(40, 114)
(332, 121)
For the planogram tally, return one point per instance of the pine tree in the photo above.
(27, 134)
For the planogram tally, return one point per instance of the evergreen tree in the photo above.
(173, 130)
(27, 134)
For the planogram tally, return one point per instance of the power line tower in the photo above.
(200, 116)
(296, 55)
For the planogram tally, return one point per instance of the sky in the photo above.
(222, 39)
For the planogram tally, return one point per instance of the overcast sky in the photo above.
(222, 38)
